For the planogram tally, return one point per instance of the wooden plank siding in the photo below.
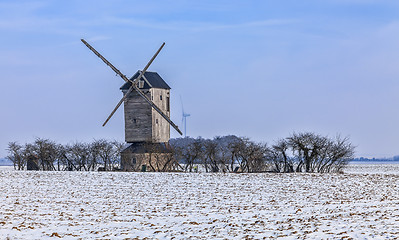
(160, 127)
(142, 122)
(138, 118)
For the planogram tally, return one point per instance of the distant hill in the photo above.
(5, 162)
(185, 142)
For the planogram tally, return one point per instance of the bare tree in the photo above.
(210, 155)
(116, 156)
(154, 159)
(315, 153)
(254, 154)
(15, 155)
(46, 152)
(250, 156)
(237, 149)
(161, 157)
(192, 154)
(300, 152)
(171, 163)
(223, 153)
(29, 153)
(79, 155)
(308, 147)
(337, 155)
(65, 158)
(105, 152)
(280, 158)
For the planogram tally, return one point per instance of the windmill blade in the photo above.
(133, 85)
(149, 63)
(118, 105)
(121, 75)
(115, 69)
(105, 60)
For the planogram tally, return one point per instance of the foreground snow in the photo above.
(93, 205)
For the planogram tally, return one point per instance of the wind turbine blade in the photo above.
(181, 101)
(182, 111)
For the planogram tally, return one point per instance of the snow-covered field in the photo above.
(110, 205)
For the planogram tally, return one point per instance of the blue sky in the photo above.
(261, 69)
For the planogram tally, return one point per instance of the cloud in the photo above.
(21, 7)
(361, 2)
(197, 26)
(98, 38)
(255, 24)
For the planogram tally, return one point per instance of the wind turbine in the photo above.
(184, 117)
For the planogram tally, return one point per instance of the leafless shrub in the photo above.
(316, 153)
(72, 157)
(15, 155)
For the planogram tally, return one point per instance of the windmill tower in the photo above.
(146, 98)
(142, 122)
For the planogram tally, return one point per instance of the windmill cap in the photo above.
(153, 78)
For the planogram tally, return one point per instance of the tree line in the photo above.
(299, 152)
(48, 155)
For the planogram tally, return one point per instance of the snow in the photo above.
(112, 205)
(391, 167)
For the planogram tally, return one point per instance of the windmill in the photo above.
(146, 98)
(184, 117)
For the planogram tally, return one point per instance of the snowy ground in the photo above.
(99, 205)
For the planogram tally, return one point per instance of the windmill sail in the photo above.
(133, 86)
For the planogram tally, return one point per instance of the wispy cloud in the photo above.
(21, 8)
(198, 26)
(98, 38)
(254, 24)
(362, 2)
(28, 17)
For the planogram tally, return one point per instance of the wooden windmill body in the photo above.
(146, 98)
(142, 122)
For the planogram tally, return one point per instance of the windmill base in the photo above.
(145, 156)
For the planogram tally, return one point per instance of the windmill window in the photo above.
(141, 84)
(160, 97)
(167, 104)
(135, 120)
(156, 121)
(134, 161)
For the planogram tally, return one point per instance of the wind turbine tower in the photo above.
(184, 117)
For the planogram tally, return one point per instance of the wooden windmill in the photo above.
(146, 98)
